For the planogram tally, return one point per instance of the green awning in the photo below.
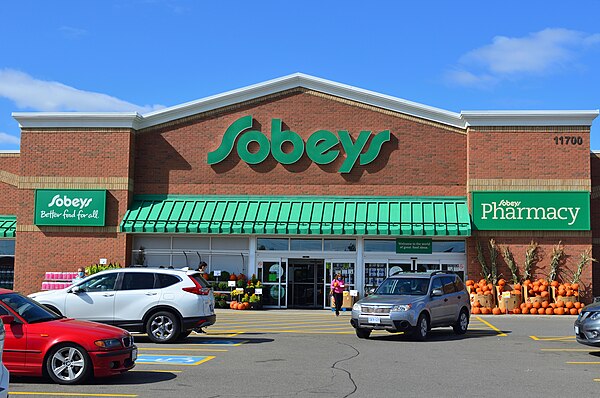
(298, 215)
(8, 226)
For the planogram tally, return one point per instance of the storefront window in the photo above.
(229, 244)
(442, 246)
(306, 244)
(7, 247)
(272, 244)
(189, 243)
(380, 245)
(340, 245)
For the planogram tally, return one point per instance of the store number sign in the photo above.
(81, 208)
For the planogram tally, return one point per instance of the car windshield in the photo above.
(28, 309)
(403, 287)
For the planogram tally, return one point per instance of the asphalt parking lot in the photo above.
(313, 354)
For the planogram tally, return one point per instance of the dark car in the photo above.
(39, 342)
(587, 325)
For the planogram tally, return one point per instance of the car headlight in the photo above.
(595, 315)
(404, 307)
(108, 344)
(356, 307)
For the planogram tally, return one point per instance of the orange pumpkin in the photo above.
(470, 282)
(478, 291)
(573, 311)
(554, 283)
(541, 311)
(559, 310)
(575, 286)
(545, 294)
(537, 305)
(496, 311)
(475, 310)
(487, 293)
(569, 304)
(579, 310)
(560, 304)
(516, 311)
(485, 311)
(501, 282)
(232, 304)
(545, 304)
(529, 306)
(549, 311)
(577, 305)
(517, 286)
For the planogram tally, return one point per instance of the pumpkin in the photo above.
(485, 311)
(579, 310)
(541, 311)
(569, 304)
(478, 291)
(560, 304)
(517, 286)
(241, 306)
(573, 311)
(537, 305)
(559, 310)
(543, 288)
(545, 294)
(516, 311)
(496, 311)
(487, 293)
(577, 305)
(501, 282)
(554, 283)
(470, 282)
(549, 311)
(475, 310)
(545, 304)
(232, 277)
(569, 293)
(529, 306)
(575, 286)
(233, 304)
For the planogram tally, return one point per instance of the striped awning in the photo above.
(299, 215)
(8, 226)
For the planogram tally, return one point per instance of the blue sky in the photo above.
(141, 55)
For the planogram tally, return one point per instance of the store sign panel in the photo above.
(81, 208)
(322, 147)
(413, 246)
(558, 211)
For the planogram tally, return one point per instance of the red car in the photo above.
(39, 342)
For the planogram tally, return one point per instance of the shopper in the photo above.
(337, 291)
(203, 267)
(80, 274)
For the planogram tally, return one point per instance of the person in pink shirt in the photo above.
(337, 291)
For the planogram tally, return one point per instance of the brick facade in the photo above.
(423, 158)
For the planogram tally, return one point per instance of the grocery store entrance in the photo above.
(305, 283)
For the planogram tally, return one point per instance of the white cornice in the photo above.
(529, 118)
(462, 120)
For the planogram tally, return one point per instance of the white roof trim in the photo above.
(10, 151)
(462, 120)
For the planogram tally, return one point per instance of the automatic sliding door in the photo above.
(274, 280)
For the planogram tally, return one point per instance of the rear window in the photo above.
(166, 280)
(198, 278)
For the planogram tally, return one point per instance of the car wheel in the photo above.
(363, 333)
(422, 329)
(184, 334)
(461, 325)
(68, 364)
(163, 327)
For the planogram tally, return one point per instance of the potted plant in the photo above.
(255, 302)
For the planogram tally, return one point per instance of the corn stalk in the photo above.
(531, 258)
(493, 267)
(556, 259)
(512, 266)
(485, 273)
(584, 258)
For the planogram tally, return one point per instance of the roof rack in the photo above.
(441, 272)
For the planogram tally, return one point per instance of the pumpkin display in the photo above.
(496, 311)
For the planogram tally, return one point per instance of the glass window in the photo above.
(199, 279)
(442, 246)
(100, 283)
(448, 284)
(233, 263)
(380, 245)
(154, 242)
(165, 280)
(7, 247)
(230, 244)
(340, 245)
(157, 260)
(30, 310)
(306, 244)
(458, 284)
(137, 281)
(436, 283)
(272, 244)
(191, 243)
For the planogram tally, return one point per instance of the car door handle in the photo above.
(108, 294)
(151, 294)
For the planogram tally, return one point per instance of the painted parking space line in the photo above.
(183, 360)
(494, 328)
(583, 363)
(69, 394)
(157, 370)
(184, 349)
(292, 331)
(571, 350)
(552, 338)
(230, 343)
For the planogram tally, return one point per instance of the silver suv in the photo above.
(414, 303)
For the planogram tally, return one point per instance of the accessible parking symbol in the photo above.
(185, 360)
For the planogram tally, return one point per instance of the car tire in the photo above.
(163, 327)
(68, 364)
(462, 323)
(363, 333)
(421, 331)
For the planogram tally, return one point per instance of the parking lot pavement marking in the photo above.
(494, 328)
(265, 330)
(230, 343)
(157, 370)
(571, 350)
(184, 360)
(583, 363)
(184, 349)
(553, 338)
(69, 394)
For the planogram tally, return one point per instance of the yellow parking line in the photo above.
(183, 349)
(288, 331)
(570, 350)
(69, 394)
(554, 338)
(596, 379)
(157, 371)
(494, 328)
(583, 363)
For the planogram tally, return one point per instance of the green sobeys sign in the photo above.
(558, 211)
(82, 208)
(413, 246)
(320, 146)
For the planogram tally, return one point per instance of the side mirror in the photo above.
(7, 319)
(436, 292)
(370, 291)
(76, 289)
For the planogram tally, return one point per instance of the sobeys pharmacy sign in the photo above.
(320, 146)
(82, 208)
(557, 211)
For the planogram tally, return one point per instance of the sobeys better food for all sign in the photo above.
(322, 147)
(82, 208)
(557, 211)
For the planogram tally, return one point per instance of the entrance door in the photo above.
(273, 275)
(305, 283)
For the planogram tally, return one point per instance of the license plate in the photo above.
(374, 319)
(576, 329)
(134, 354)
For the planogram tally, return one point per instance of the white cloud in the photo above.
(41, 95)
(543, 52)
(9, 139)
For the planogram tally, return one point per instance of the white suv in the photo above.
(4, 376)
(167, 304)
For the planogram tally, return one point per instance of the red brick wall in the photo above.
(10, 162)
(420, 160)
(8, 199)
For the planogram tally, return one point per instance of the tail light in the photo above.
(197, 289)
